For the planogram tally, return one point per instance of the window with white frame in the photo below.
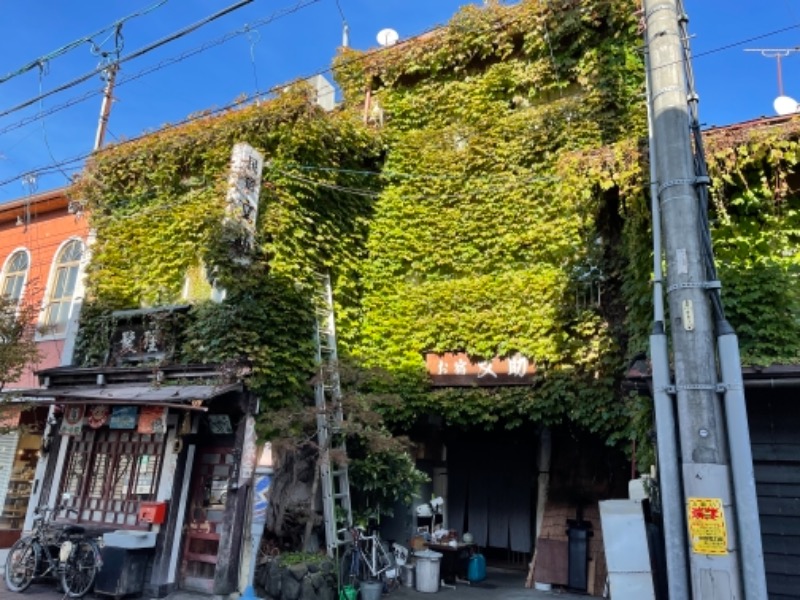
(62, 289)
(14, 276)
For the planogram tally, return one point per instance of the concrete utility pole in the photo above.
(709, 516)
(105, 108)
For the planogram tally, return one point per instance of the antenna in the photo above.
(345, 27)
(783, 104)
(387, 37)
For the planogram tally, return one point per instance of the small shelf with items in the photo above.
(19, 489)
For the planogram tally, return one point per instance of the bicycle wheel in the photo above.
(352, 567)
(387, 567)
(22, 564)
(80, 569)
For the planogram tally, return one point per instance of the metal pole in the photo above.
(744, 482)
(714, 566)
(669, 479)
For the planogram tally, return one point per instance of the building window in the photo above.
(59, 305)
(16, 272)
(110, 472)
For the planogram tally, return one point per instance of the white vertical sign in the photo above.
(244, 187)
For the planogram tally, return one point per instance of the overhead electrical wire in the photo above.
(87, 39)
(142, 51)
(44, 134)
(285, 12)
(363, 56)
(250, 27)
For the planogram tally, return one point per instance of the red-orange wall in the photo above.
(46, 224)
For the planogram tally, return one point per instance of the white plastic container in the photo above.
(371, 590)
(407, 573)
(428, 567)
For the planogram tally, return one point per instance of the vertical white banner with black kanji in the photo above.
(244, 187)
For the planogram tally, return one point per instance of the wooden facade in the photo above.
(774, 426)
(774, 421)
(136, 435)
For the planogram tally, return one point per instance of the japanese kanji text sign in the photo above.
(244, 187)
(454, 369)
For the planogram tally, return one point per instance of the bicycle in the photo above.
(367, 558)
(49, 551)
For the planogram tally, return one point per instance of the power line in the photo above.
(280, 14)
(361, 57)
(248, 28)
(38, 62)
(745, 41)
(280, 87)
(136, 54)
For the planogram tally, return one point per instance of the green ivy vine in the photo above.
(157, 205)
(496, 202)
(481, 240)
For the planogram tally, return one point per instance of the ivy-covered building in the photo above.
(507, 282)
(479, 285)
(479, 199)
(495, 288)
(197, 327)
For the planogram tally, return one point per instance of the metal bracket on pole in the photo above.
(713, 387)
(700, 180)
(719, 388)
(706, 285)
(673, 183)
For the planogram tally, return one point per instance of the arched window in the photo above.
(14, 276)
(62, 288)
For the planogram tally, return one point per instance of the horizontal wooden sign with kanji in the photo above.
(457, 369)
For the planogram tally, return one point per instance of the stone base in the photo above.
(297, 582)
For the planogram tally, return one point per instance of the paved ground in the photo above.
(499, 585)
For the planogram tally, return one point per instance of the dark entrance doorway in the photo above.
(492, 491)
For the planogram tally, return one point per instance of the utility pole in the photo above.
(725, 560)
(110, 74)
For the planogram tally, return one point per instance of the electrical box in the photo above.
(153, 513)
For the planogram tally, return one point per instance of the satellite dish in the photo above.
(784, 105)
(387, 37)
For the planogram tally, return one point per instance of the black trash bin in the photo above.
(578, 533)
(125, 555)
(123, 571)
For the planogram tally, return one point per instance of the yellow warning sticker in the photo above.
(707, 531)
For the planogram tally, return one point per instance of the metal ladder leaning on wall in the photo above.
(334, 478)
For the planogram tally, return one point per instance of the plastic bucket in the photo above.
(371, 590)
(476, 570)
(348, 592)
(428, 564)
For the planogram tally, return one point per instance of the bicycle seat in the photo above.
(74, 530)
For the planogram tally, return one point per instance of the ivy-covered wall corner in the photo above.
(158, 204)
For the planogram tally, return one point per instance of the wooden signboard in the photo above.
(457, 369)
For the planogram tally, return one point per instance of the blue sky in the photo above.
(734, 85)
